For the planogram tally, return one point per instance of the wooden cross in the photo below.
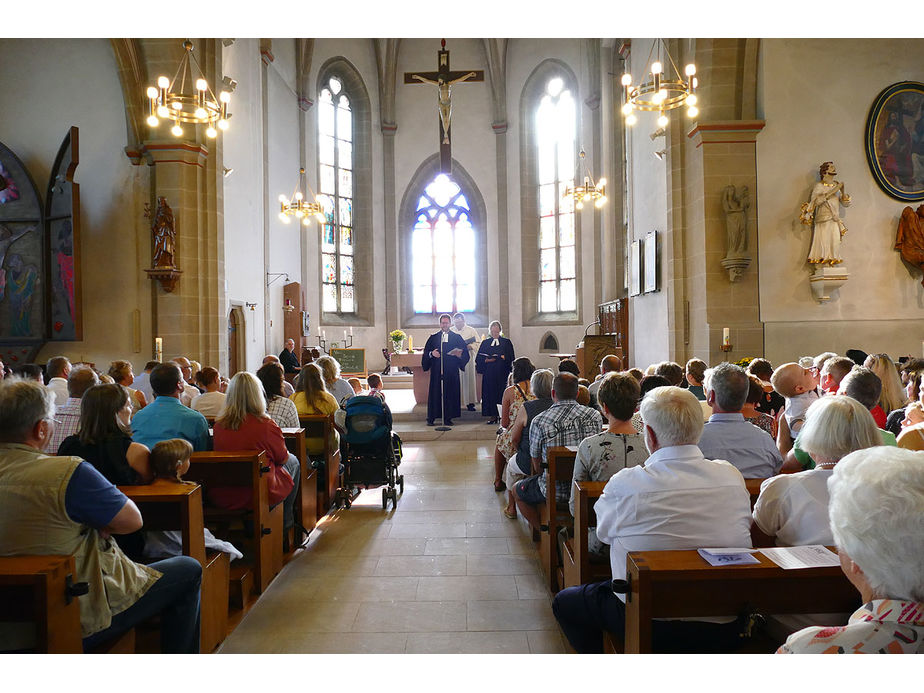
(444, 78)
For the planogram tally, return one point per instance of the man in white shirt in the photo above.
(57, 369)
(212, 401)
(678, 500)
(190, 391)
(67, 415)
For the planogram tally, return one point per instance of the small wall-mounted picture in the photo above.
(635, 268)
(894, 126)
(306, 324)
(651, 262)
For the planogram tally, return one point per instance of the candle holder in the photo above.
(726, 348)
(322, 343)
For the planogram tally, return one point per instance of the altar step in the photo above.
(400, 381)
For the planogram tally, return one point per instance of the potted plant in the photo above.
(397, 338)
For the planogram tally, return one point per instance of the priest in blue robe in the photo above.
(444, 355)
(493, 361)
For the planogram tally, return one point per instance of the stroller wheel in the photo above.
(384, 499)
(401, 482)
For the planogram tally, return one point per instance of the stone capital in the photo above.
(175, 152)
(726, 132)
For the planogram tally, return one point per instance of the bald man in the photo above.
(189, 390)
(609, 364)
(287, 388)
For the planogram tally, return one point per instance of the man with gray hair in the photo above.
(678, 500)
(56, 370)
(67, 415)
(63, 506)
(727, 435)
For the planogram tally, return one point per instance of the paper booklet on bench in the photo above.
(728, 556)
(790, 557)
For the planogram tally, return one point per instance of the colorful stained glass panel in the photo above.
(346, 269)
(346, 212)
(547, 264)
(329, 268)
(346, 240)
(327, 239)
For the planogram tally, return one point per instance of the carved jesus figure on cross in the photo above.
(444, 78)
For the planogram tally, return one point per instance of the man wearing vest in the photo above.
(64, 506)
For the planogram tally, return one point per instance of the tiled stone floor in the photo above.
(444, 573)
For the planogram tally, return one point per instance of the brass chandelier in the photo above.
(588, 190)
(170, 100)
(663, 91)
(297, 206)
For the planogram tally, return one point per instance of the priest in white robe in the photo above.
(470, 336)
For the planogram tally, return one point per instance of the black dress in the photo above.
(107, 456)
(451, 366)
(494, 373)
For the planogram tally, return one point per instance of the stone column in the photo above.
(500, 144)
(392, 260)
(719, 154)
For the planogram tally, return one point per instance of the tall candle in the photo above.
(726, 339)
(158, 349)
(351, 330)
(410, 343)
(324, 335)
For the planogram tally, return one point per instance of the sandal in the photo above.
(499, 486)
(510, 515)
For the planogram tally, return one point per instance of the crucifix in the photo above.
(444, 78)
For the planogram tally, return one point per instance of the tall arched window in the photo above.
(335, 157)
(555, 154)
(443, 250)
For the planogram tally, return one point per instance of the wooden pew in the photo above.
(246, 468)
(166, 505)
(753, 486)
(306, 501)
(576, 566)
(321, 426)
(559, 464)
(40, 590)
(673, 584)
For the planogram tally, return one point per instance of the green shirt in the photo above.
(808, 463)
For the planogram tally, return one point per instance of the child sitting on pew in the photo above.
(170, 461)
(375, 386)
(356, 385)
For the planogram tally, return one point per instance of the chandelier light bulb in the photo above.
(690, 70)
(211, 132)
(694, 83)
(153, 121)
(177, 130)
(152, 92)
(282, 218)
(201, 85)
(631, 119)
(692, 111)
(299, 213)
(657, 97)
(282, 199)
(222, 124)
(163, 82)
(626, 79)
(224, 97)
(579, 205)
(176, 106)
(626, 108)
(662, 120)
(656, 68)
(163, 111)
(298, 196)
(692, 99)
(600, 202)
(200, 113)
(601, 183)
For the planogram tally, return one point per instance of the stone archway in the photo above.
(237, 342)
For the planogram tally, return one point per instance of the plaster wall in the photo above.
(62, 82)
(881, 307)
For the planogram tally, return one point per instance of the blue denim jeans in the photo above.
(288, 504)
(175, 596)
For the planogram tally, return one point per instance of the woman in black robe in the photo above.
(493, 361)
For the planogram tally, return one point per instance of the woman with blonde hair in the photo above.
(245, 425)
(311, 399)
(121, 374)
(339, 388)
(893, 394)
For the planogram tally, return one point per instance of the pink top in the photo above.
(254, 434)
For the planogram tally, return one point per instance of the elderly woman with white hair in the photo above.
(336, 386)
(876, 512)
(793, 508)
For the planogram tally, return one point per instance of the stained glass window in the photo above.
(335, 157)
(443, 250)
(555, 128)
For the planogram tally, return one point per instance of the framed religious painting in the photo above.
(635, 268)
(895, 141)
(651, 262)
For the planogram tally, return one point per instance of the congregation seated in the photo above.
(311, 398)
(772, 402)
(287, 389)
(333, 383)
(212, 400)
(189, 389)
(796, 384)
(564, 423)
(893, 394)
(583, 395)
(279, 407)
(356, 384)
(876, 512)
(833, 372)
(67, 415)
(245, 425)
(792, 509)
(519, 463)
(30, 371)
(515, 395)
(672, 371)
(646, 385)
(61, 505)
(610, 363)
(860, 384)
(695, 372)
(56, 370)
(122, 374)
(764, 422)
(636, 373)
(166, 417)
(912, 435)
(376, 387)
(727, 436)
(143, 381)
(677, 500)
(895, 422)
(569, 366)
(619, 447)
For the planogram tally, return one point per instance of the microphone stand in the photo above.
(444, 427)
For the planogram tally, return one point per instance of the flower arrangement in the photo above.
(397, 335)
(745, 362)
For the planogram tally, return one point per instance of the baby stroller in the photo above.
(369, 451)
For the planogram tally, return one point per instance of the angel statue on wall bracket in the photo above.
(823, 214)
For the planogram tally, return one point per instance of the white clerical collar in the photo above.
(494, 343)
(445, 337)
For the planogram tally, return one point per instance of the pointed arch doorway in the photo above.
(237, 345)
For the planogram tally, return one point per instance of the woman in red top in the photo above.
(245, 425)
